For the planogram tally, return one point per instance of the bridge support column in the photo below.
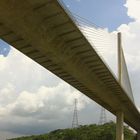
(138, 135)
(119, 126)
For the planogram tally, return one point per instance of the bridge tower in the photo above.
(138, 135)
(119, 113)
(75, 115)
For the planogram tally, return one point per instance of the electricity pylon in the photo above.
(75, 115)
(103, 118)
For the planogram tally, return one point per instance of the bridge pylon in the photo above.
(119, 125)
(138, 135)
(119, 114)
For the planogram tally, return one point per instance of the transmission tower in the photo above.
(103, 118)
(75, 115)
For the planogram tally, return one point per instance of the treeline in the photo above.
(86, 132)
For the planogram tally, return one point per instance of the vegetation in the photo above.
(87, 132)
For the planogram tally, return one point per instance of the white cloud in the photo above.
(52, 100)
(48, 108)
(130, 37)
(2, 60)
(7, 94)
(133, 9)
(24, 73)
(131, 41)
(31, 97)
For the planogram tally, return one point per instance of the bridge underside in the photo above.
(43, 31)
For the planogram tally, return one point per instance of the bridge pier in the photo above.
(138, 135)
(119, 125)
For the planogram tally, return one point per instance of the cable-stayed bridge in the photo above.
(48, 33)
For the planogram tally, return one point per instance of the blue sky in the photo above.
(4, 48)
(105, 13)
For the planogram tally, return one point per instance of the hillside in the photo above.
(87, 132)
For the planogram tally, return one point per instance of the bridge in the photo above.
(44, 31)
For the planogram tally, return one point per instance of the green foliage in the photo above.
(87, 132)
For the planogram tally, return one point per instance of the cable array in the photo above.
(102, 41)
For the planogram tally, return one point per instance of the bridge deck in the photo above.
(43, 31)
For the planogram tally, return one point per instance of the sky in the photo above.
(29, 93)
(4, 48)
(106, 14)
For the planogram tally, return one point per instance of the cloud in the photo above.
(131, 41)
(130, 37)
(34, 99)
(2, 60)
(52, 101)
(133, 9)
(24, 73)
(47, 108)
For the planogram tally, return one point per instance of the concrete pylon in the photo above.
(119, 114)
(119, 126)
(138, 135)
